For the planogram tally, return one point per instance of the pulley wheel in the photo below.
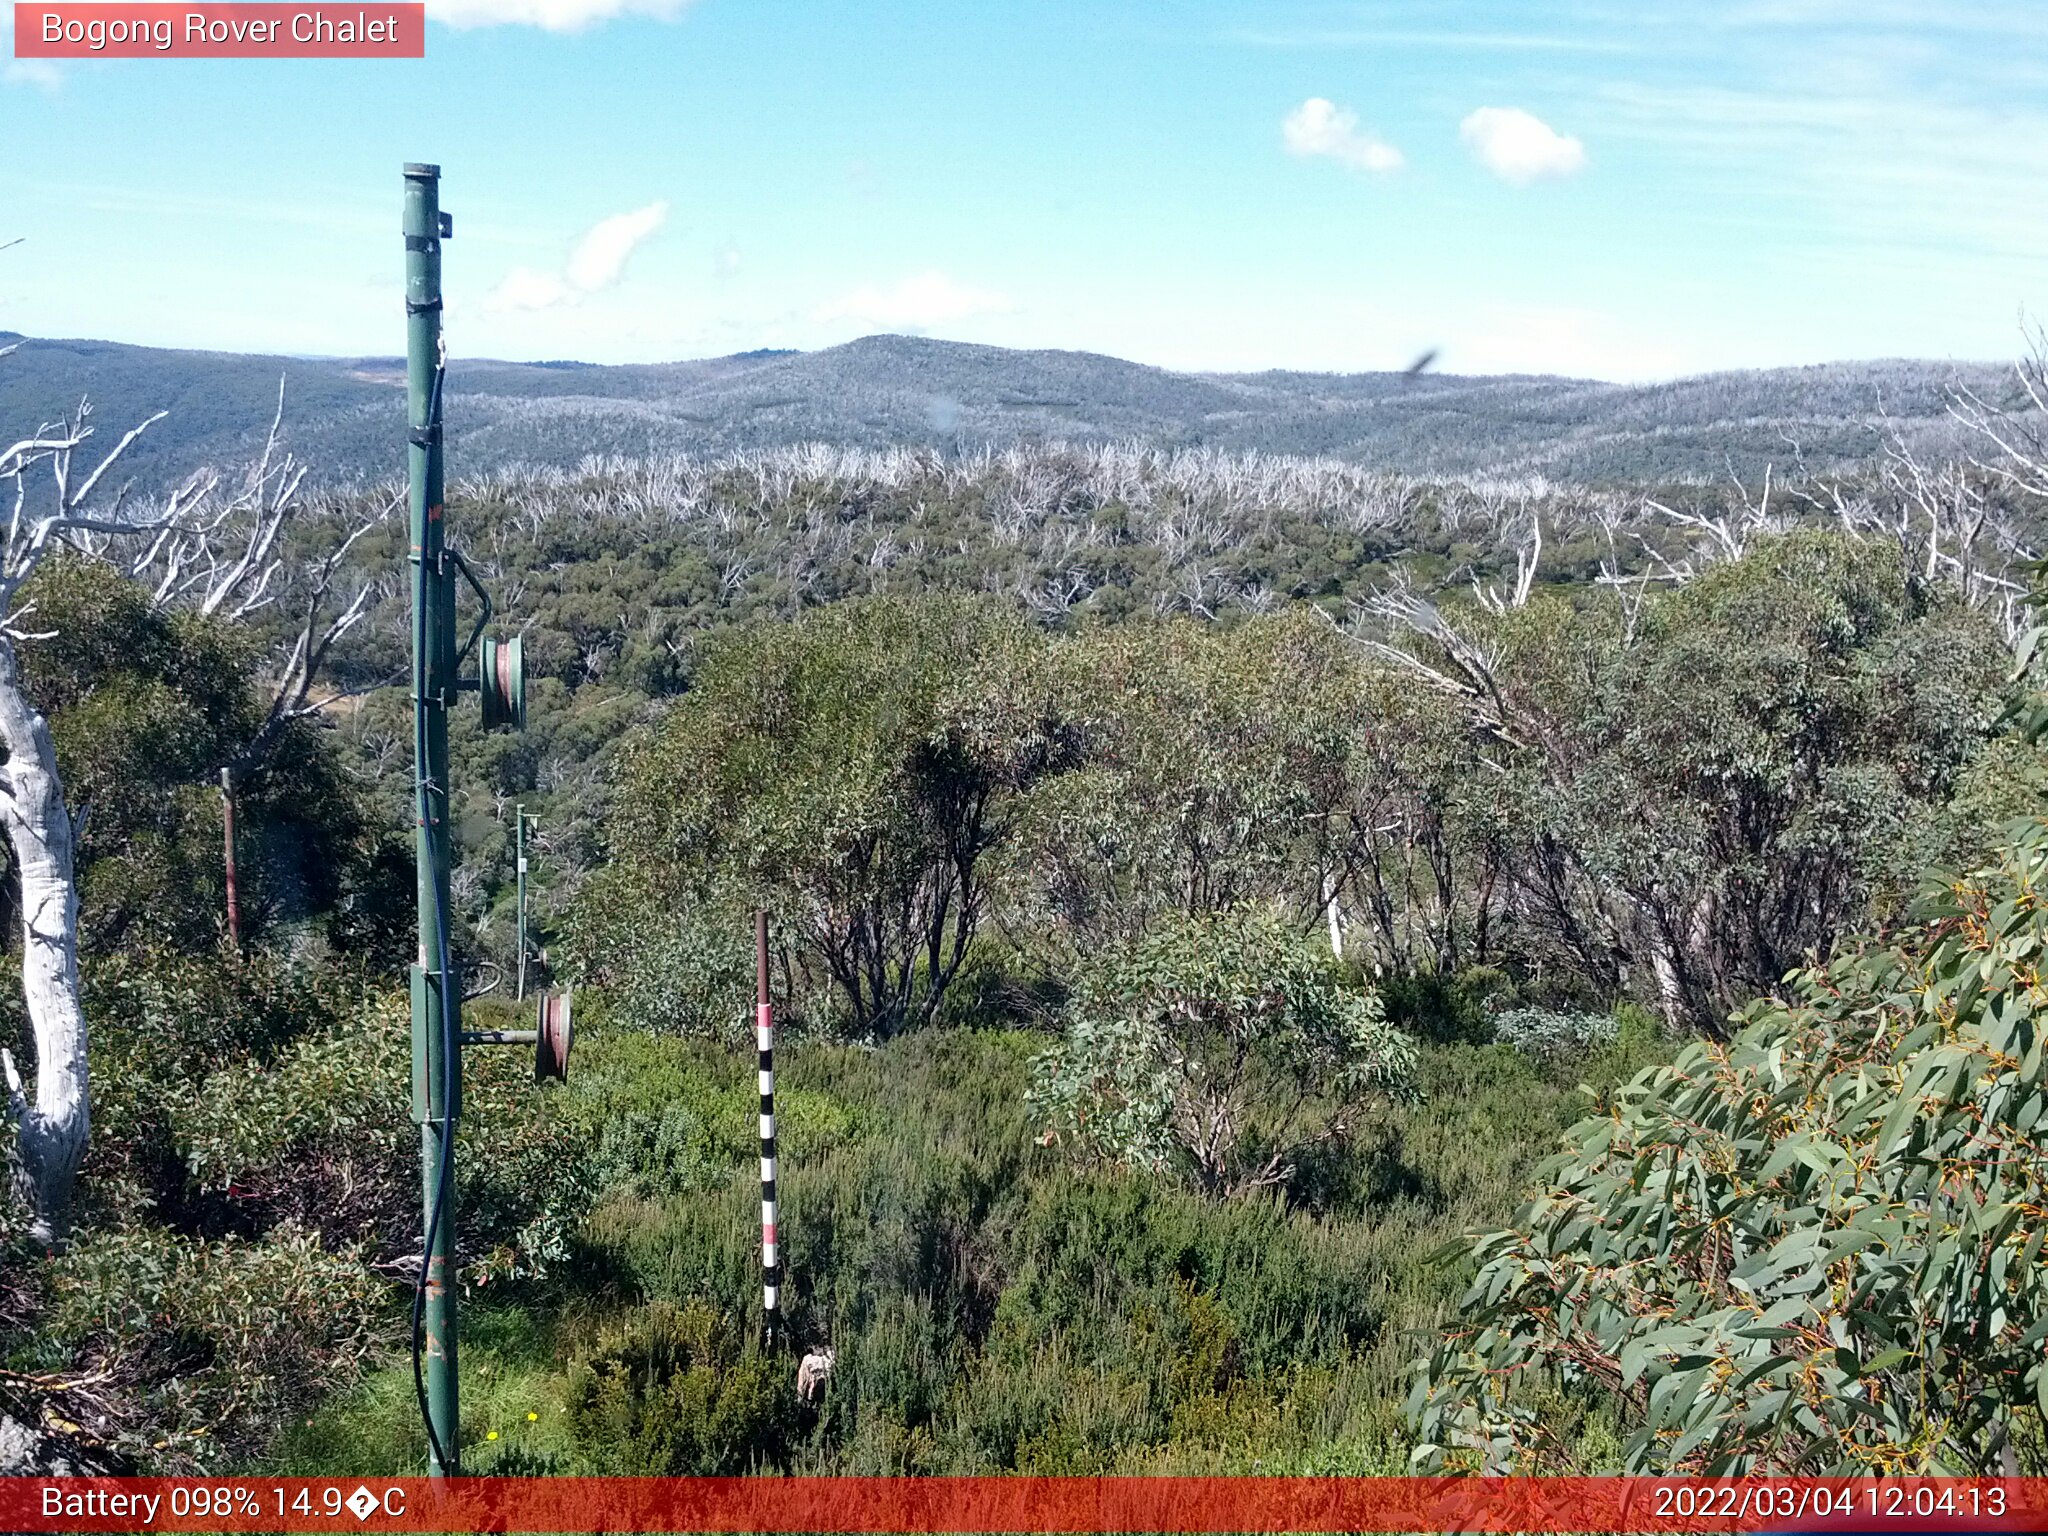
(552, 1035)
(501, 683)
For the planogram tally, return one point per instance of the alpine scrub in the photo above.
(1816, 1248)
(1222, 1047)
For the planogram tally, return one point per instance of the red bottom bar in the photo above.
(1051, 1504)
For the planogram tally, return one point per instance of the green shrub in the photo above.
(995, 1307)
(1222, 1047)
(162, 1024)
(202, 1348)
(1811, 1249)
(685, 970)
(323, 1134)
(668, 1391)
(1552, 1035)
(1447, 1010)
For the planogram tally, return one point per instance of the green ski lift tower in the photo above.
(437, 677)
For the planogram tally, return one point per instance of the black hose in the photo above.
(445, 1173)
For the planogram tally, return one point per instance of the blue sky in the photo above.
(1614, 188)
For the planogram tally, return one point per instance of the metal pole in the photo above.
(436, 993)
(520, 811)
(764, 1040)
(227, 837)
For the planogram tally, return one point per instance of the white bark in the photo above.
(51, 1129)
(54, 1127)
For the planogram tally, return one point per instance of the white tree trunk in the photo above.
(53, 1129)
(1333, 914)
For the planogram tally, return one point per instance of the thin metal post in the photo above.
(436, 992)
(764, 1040)
(227, 837)
(520, 812)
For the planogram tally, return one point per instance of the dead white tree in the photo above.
(2017, 436)
(51, 1129)
(1462, 665)
(1632, 588)
(1528, 555)
(223, 551)
(206, 546)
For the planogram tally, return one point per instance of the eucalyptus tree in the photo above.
(1220, 1046)
(825, 768)
(1692, 796)
(1807, 1249)
(1208, 769)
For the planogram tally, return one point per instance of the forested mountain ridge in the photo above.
(891, 391)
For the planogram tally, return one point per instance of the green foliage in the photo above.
(161, 1023)
(1811, 1249)
(203, 1346)
(1456, 1008)
(959, 816)
(324, 1134)
(687, 970)
(1784, 731)
(1788, 730)
(1222, 1047)
(146, 707)
(993, 1306)
(815, 768)
(253, 1175)
(1553, 1034)
(667, 1391)
(670, 1117)
(1205, 767)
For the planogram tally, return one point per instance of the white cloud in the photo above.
(600, 256)
(1580, 343)
(46, 73)
(1320, 127)
(1462, 42)
(549, 15)
(596, 261)
(913, 304)
(1520, 147)
(524, 288)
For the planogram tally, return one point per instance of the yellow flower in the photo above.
(533, 1418)
(492, 1435)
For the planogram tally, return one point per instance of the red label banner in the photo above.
(348, 29)
(1049, 1504)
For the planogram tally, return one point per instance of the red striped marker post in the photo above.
(764, 1042)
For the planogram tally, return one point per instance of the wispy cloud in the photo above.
(600, 256)
(548, 15)
(1319, 127)
(1477, 42)
(1520, 147)
(45, 74)
(915, 303)
(596, 262)
(525, 288)
(1581, 343)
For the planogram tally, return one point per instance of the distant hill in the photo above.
(345, 414)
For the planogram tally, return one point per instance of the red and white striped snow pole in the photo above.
(764, 1041)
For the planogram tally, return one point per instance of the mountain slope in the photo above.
(346, 414)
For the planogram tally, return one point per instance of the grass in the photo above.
(993, 1307)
